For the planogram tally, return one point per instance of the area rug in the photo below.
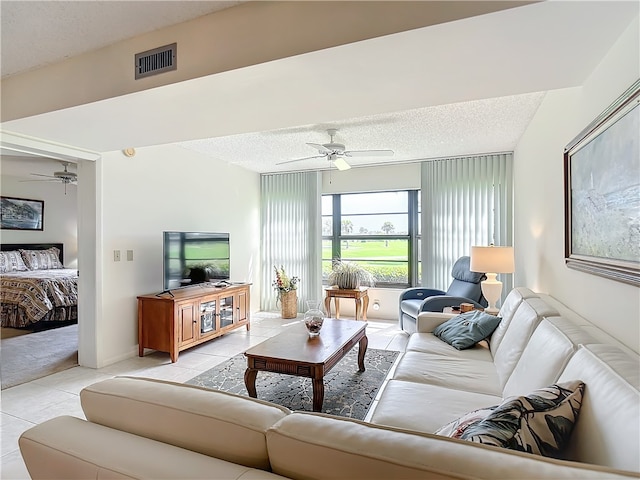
(347, 392)
(28, 357)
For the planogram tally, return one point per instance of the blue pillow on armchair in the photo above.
(467, 329)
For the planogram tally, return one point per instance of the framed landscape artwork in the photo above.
(602, 193)
(21, 214)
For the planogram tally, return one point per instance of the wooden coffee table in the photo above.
(293, 352)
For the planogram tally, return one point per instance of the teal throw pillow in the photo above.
(467, 329)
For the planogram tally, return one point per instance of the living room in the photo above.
(127, 199)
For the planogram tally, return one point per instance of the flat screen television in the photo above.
(194, 257)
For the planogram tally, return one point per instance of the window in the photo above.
(379, 230)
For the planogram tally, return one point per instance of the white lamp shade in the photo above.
(492, 259)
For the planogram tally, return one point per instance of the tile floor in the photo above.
(31, 403)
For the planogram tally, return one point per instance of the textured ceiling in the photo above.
(482, 126)
(461, 88)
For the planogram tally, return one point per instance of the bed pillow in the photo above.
(11, 262)
(42, 259)
(467, 329)
(539, 423)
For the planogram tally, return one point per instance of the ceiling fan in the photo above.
(335, 152)
(65, 176)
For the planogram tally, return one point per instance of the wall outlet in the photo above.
(116, 255)
(129, 255)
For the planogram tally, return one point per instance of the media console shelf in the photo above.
(183, 318)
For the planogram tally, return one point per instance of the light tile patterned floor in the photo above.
(31, 403)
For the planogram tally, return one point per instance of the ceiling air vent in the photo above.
(158, 60)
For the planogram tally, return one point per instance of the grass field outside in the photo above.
(387, 260)
(370, 249)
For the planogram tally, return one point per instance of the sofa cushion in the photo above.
(549, 349)
(317, 446)
(608, 430)
(448, 371)
(185, 416)
(540, 422)
(428, 321)
(429, 343)
(524, 321)
(70, 448)
(465, 330)
(509, 306)
(423, 407)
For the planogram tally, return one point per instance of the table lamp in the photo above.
(492, 260)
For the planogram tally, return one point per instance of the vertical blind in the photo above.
(291, 234)
(466, 201)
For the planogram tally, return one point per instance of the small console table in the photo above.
(360, 296)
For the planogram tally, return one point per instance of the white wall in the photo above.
(167, 188)
(539, 203)
(372, 179)
(60, 215)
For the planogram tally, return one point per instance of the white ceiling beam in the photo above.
(16, 142)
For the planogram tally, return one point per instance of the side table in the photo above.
(359, 295)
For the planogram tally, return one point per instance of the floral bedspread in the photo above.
(38, 292)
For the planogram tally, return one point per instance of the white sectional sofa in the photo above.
(141, 428)
(534, 346)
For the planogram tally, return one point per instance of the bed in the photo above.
(35, 288)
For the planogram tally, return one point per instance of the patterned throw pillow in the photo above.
(467, 329)
(539, 423)
(11, 262)
(42, 259)
(456, 428)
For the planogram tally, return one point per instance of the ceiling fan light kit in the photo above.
(65, 176)
(340, 163)
(335, 152)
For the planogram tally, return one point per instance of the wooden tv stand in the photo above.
(183, 318)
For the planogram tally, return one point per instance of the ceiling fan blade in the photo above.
(368, 153)
(41, 175)
(52, 180)
(341, 164)
(320, 148)
(300, 159)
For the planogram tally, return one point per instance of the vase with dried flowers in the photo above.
(286, 287)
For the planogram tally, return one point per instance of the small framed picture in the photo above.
(21, 214)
